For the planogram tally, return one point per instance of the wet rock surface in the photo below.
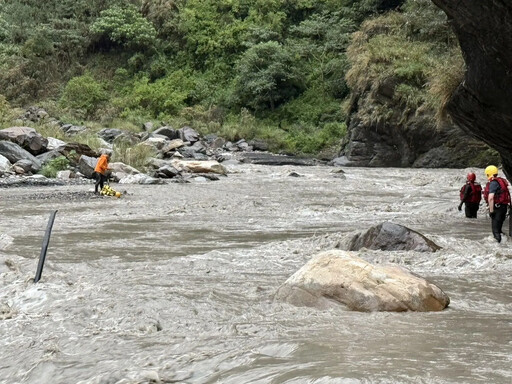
(481, 103)
(342, 277)
(392, 237)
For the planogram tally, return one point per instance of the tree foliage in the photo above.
(207, 62)
(125, 26)
(266, 76)
(83, 93)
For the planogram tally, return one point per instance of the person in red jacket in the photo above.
(497, 197)
(470, 194)
(100, 171)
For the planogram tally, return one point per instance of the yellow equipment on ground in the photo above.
(107, 190)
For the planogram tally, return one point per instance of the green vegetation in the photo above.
(51, 168)
(412, 53)
(277, 70)
(136, 156)
(83, 95)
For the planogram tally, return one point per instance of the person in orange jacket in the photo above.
(100, 171)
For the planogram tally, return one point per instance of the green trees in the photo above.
(83, 94)
(125, 26)
(266, 76)
(163, 97)
(200, 62)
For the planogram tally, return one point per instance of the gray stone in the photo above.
(65, 175)
(71, 129)
(168, 132)
(148, 127)
(392, 237)
(25, 137)
(167, 171)
(243, 146)
(54, 143)
(25, 164)
(126, 138)
(35, 114)
(13, 152)
(139, 179)
(5, 166)
(86, 165)
(258, 145)
(188, 134)
(109, 134)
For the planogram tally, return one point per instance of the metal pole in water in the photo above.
(44, 248)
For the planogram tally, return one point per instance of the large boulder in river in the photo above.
(263, 158)
(389, 236)
(14, 153)
(25, 137)
(341, 278)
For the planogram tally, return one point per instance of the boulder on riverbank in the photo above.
(389, 236)
(25, 137)
(341, 278)
(14, 153)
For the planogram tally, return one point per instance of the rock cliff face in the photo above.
(395, 60)
(404, 138)
(411, 141)
(482, 104)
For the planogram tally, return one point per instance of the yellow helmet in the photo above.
(490, 171)
(118, 194)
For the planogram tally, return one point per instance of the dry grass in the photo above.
(444, 80)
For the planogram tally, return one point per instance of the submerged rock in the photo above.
(337, 277)
(392, 237)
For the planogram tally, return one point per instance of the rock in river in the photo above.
(339, 277)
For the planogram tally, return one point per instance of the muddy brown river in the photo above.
(174, 283)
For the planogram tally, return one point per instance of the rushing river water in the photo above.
(174, 283)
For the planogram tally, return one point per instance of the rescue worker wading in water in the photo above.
(470, 194)
(100, 172)
(497, 197)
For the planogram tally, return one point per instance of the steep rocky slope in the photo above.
(396, 61)
(405, 138)
(481, 105)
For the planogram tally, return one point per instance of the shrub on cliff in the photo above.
(405, 55)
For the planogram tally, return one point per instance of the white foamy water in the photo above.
(174, 283)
